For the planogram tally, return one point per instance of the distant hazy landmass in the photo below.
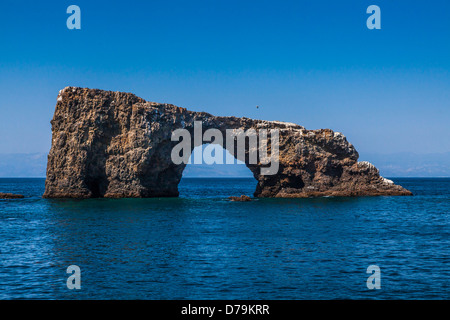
(23, 165)
(216, 170)
(390, 165)
(406, 164)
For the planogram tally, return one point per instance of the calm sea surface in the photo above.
(202, 246)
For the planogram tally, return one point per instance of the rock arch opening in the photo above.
(214, 161)
(212, 171)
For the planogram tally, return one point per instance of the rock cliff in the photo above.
(114, 144)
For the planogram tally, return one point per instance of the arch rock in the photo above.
(117, 145)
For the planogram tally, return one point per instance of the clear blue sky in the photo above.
(310, 62)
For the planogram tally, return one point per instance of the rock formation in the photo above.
(242, 198)
(10, 196)
(114, 144)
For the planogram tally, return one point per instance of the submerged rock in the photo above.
(241, 198)
(115, 144)
(10, 196)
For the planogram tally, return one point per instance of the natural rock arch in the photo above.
(114, 144)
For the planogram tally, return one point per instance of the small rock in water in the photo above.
(10, 196)
(241, 198)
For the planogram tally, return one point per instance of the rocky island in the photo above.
(116, 145)
(10, 196)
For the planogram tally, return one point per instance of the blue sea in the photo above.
(202, 246)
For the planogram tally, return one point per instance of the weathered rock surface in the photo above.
(10, 196)
(242, 198)
(114, 144)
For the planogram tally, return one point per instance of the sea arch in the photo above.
(115, 144)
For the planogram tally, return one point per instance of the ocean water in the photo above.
(202, 246)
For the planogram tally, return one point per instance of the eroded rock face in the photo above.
(114, 144)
